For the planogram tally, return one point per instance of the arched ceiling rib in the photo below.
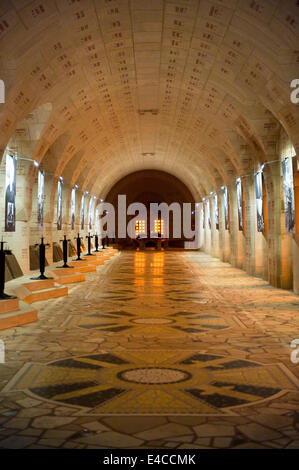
(195, 87)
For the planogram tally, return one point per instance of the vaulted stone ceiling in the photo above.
(97, 89)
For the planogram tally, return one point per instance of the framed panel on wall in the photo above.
(259, 202)
(216, 211)
(40, 199)
(225, 204)
(73, 208)
(10, 193)
(97, 221)
(59, 205)
(82, 221)
(90, 213)
(240, 204)
(289, 196)
(209, 214)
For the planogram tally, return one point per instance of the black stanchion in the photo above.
(103, 243)
(96, 243)
(42, 261)
(3, 253)
(78, 248)
(65, 253)
(107, 241)
(89, 237)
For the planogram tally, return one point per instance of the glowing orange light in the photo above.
(140, 227)
(159, 226)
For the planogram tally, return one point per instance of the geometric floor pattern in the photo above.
(155, 350)
(159, 383)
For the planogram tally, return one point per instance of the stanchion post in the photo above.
(42, 261)
(96, 243)
(65, 243)
(78, 248)
(89, 237)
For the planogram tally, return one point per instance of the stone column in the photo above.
(199, 209)
(221, 234)
(250, 226)
(276, 223)
(295, 241)
(214, 231)
(233, 232)
(207, 242)
(283, 238)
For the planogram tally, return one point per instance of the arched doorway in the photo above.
(146, 187)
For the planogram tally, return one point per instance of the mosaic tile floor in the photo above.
(155, 350)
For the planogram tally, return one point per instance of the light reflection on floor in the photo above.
(166, 335)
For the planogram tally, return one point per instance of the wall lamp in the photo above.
(35, 163)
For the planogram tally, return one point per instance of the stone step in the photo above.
(39, 285)
(96, 261)
(87, 269)
(30, 297)
(9, 305)
(63, 272)
(83, 262)
(99, 254)
(68, 278)
(22, 316)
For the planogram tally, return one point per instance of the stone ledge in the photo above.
(30, 297)
(70, 279)
(22, 316)
(39, 285)
(8, 305)
(86, 269)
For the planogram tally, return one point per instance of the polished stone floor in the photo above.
(156, 350)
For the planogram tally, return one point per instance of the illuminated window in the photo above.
(159, 227)
(140, 228)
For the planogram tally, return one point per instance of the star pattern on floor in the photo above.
(117, 321)
(155, 382)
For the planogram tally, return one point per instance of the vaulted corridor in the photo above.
(158, 349)
(149, 220)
